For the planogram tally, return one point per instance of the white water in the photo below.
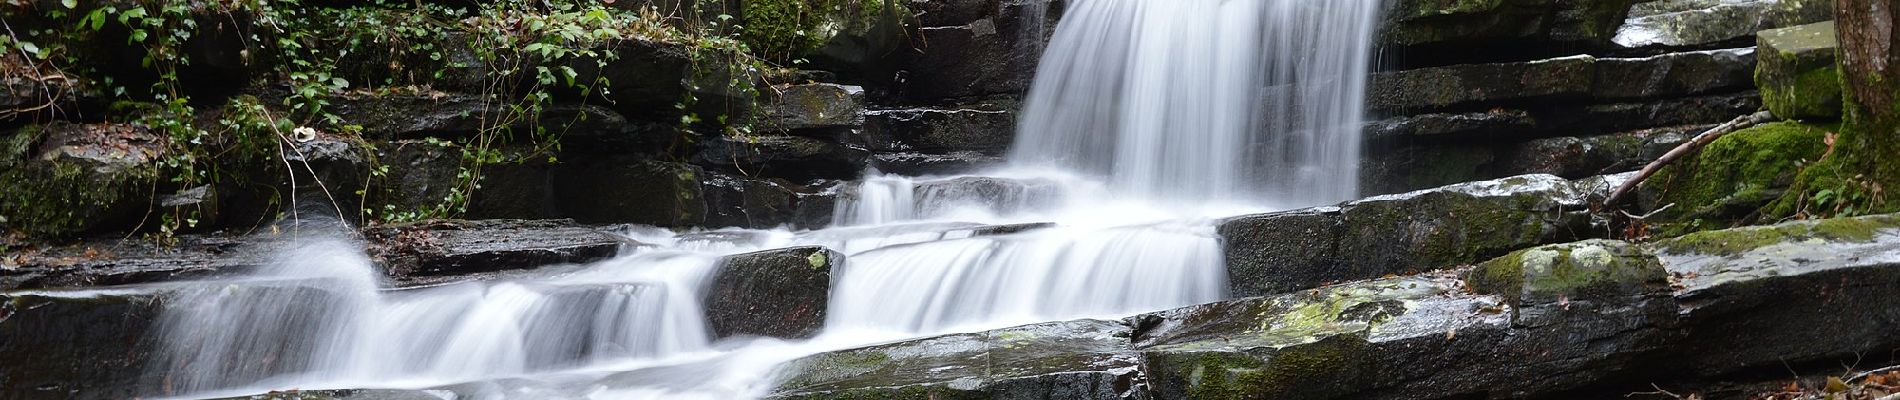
(1147, 122)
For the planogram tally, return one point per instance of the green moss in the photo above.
(1736, 241)
(61, 199)
(1742, 170)
(1582, 270)
(784, 30)
(1814, 93)
(1321, 369)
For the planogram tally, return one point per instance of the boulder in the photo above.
(815, 105)
(456, 248)
(1406, 233)
(1797, 74)
(63, 179)
(777, 293)
(779, 156)
(938, 131)
(75, 344)
(1689, 23)
(1082, 359)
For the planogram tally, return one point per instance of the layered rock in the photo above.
(63, 345)
(1684, 23)
(66, 179)
(1407, 233)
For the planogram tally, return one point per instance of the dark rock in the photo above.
(1498, 122)
(1415, 167)
(66, 345)
(1674, 74)
(416, 114)
(105, 263)
(789, 157)
(815, 105)
(1434, 22)
(913, 164)
(778, 293)
(436, 248)
(422, 174)
(1083, 359)
(744, 202)
(939, 131)
(1798, 77)
(1579, 157)
(1405, 233)
(65, 179)
(1682, 23)
(630, 191)
(814, 208)
(1711, 109)
(1445, 87)
(992, 55)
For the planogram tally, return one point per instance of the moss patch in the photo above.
(1737, 241)
(1583, 270)
(1737, 174)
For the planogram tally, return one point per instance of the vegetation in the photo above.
(232, 88)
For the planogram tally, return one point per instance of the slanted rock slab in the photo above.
(1081, 359)
(453, 247)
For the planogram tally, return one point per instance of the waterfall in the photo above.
(1205, 99)
(1142, 114)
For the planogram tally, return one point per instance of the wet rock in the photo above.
(1444, 87)
(64, 179)
(1579, 157)
(1682, 23)
(1736, 175)
(788, 157)
(1674, 74)
(1798, 77)
(1422, 22)
(350, 394)
(1498, 122)
(745, 202)
(65, 345)
(1711, 109)
(939, 131)
(1771, 296)
(1378, 339)
(777, 293)
(915, 164)
(815, 105)
(1405, 233)
(450, 247)
(421, 175)
(1566, 78)
(1082, 359)
(611, 190)
(104, 263)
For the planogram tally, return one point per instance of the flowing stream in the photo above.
(1148, 121)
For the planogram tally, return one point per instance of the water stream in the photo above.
(1148, 120)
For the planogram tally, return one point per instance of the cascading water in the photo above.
(1205, 99)
(1137, 105)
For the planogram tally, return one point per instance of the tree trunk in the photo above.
(1869, 64)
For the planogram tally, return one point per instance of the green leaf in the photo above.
(69, 3)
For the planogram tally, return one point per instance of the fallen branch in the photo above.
(1685, 149)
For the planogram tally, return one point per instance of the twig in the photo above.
(1864, 375)
(1686, 148)
(1659, 392)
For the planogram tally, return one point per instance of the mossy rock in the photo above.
(1739, 173)
(1587, 270)
(63, 179)
(1082, 359)
(1796, 71)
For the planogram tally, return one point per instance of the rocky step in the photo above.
(1541, 322)
(1573, 78)
(1797, 75)
(1691, 23)
(418, 253)
(1412, 167)
(1406, 233)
